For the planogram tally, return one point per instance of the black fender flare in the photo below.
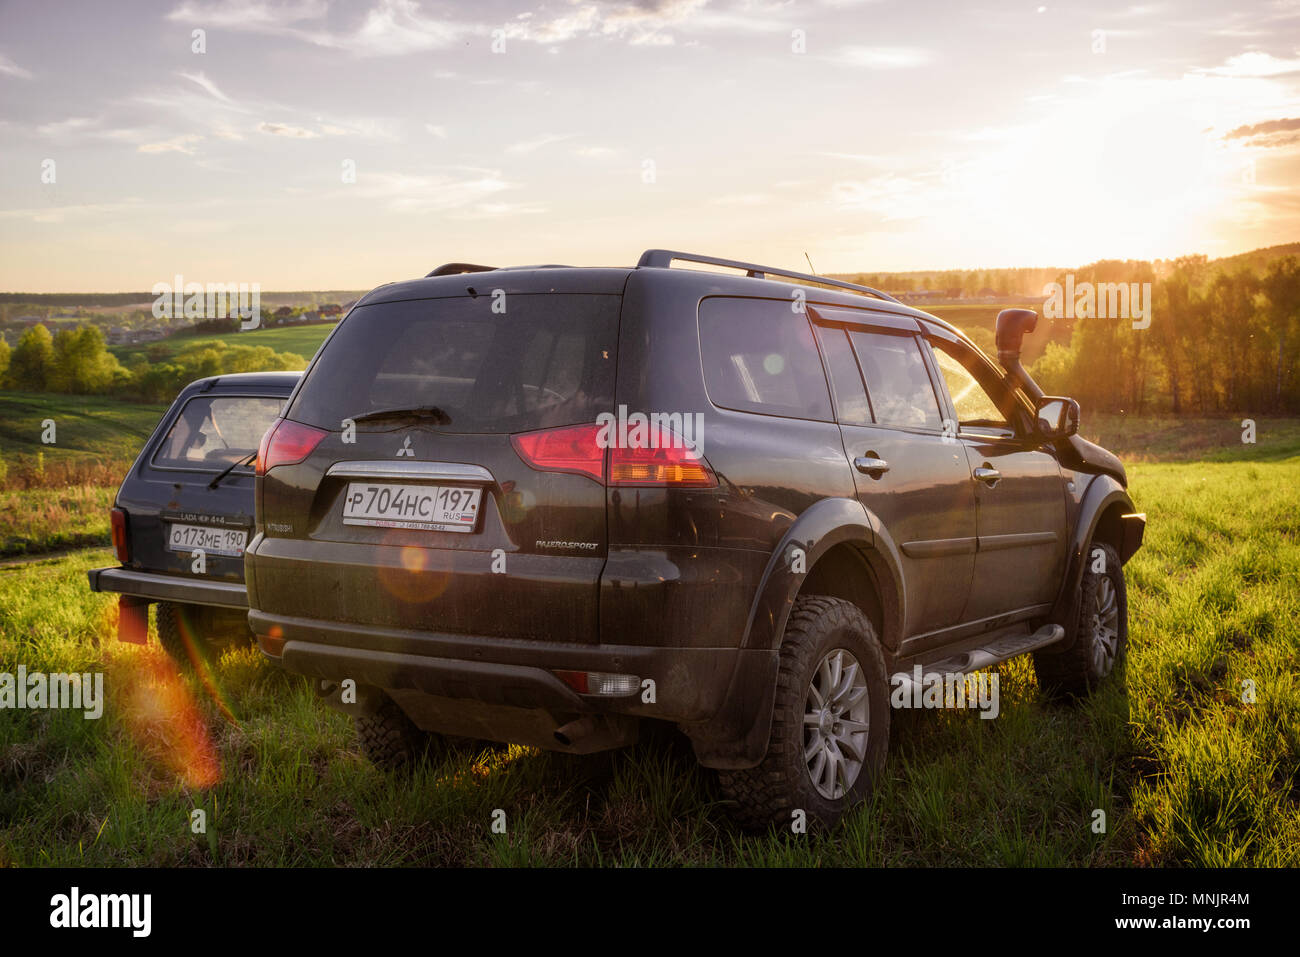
(737, 735)
(1103, 494)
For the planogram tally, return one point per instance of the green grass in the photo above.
(38, 520)
(1186, 771)
(87, 428)
(301, 340)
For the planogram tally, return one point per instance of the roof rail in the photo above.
(453, 269)
(663, 259)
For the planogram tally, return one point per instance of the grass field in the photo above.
(1186, 772)
(86, 427)
(300, 340)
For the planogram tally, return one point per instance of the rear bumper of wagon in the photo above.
(153, 586)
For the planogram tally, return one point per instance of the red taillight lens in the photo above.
(572, 449)
(285, 443)
(658, 457)
(117, 519)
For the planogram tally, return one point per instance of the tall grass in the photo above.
(1186, 771)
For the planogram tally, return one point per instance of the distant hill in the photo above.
(1258, 259)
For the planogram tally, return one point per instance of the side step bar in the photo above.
(995, 652)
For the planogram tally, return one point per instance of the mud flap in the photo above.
(132, 619)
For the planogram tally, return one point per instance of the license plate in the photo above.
(213, 541)
(433, 508)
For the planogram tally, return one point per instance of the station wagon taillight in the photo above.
(117, 520)
(658, 458)
(286, 443)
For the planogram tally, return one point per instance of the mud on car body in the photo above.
(184, 514)
(444, 525)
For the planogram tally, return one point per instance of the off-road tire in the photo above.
(390, 740)
(208, 631)
(1076, 671)
(770, 794)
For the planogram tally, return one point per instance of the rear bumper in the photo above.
(690, 684)
(153, 586)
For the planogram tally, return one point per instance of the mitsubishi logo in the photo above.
(406, 448)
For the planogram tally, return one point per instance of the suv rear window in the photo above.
(546, 361)
(213, 431)
(759, 356)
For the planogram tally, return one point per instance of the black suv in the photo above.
(184, 513)
(542, 504)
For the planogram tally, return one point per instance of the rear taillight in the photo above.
(654, 456)
(286, 443)
(117, 519)
(669, 464)
(572, 449)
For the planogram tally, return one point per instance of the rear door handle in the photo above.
(870, 465)
(988, 476)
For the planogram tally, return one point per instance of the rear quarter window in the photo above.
(759, 356)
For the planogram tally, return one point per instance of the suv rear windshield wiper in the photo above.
(246, 460)
(406, 412)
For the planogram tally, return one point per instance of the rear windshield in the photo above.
(213, 432)
(487, 364)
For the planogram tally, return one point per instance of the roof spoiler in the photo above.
(455, 269)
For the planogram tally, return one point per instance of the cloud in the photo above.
(533, 145)
(593, 152)
(404, 192)
(398, 27)
(73, 124)
(207, 85)
(257, 15)
(10, 68)
(884, 58)
(283, 129)
(1253, 64)
(438, 131)
(59, 214)
(177, 144)
(390, 28)
(740, 199)
(1259, 129)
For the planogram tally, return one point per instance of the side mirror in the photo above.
(1056, 417)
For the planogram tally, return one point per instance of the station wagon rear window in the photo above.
(214, 431)
(485, 364)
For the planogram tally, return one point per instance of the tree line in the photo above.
(1222, 338)
(77, 361)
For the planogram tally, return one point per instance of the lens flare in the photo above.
(411, 580)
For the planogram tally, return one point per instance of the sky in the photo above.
(339, 144)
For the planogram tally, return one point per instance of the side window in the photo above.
(897, 380)
(976, 409)
(759, 356)
(851, 406)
